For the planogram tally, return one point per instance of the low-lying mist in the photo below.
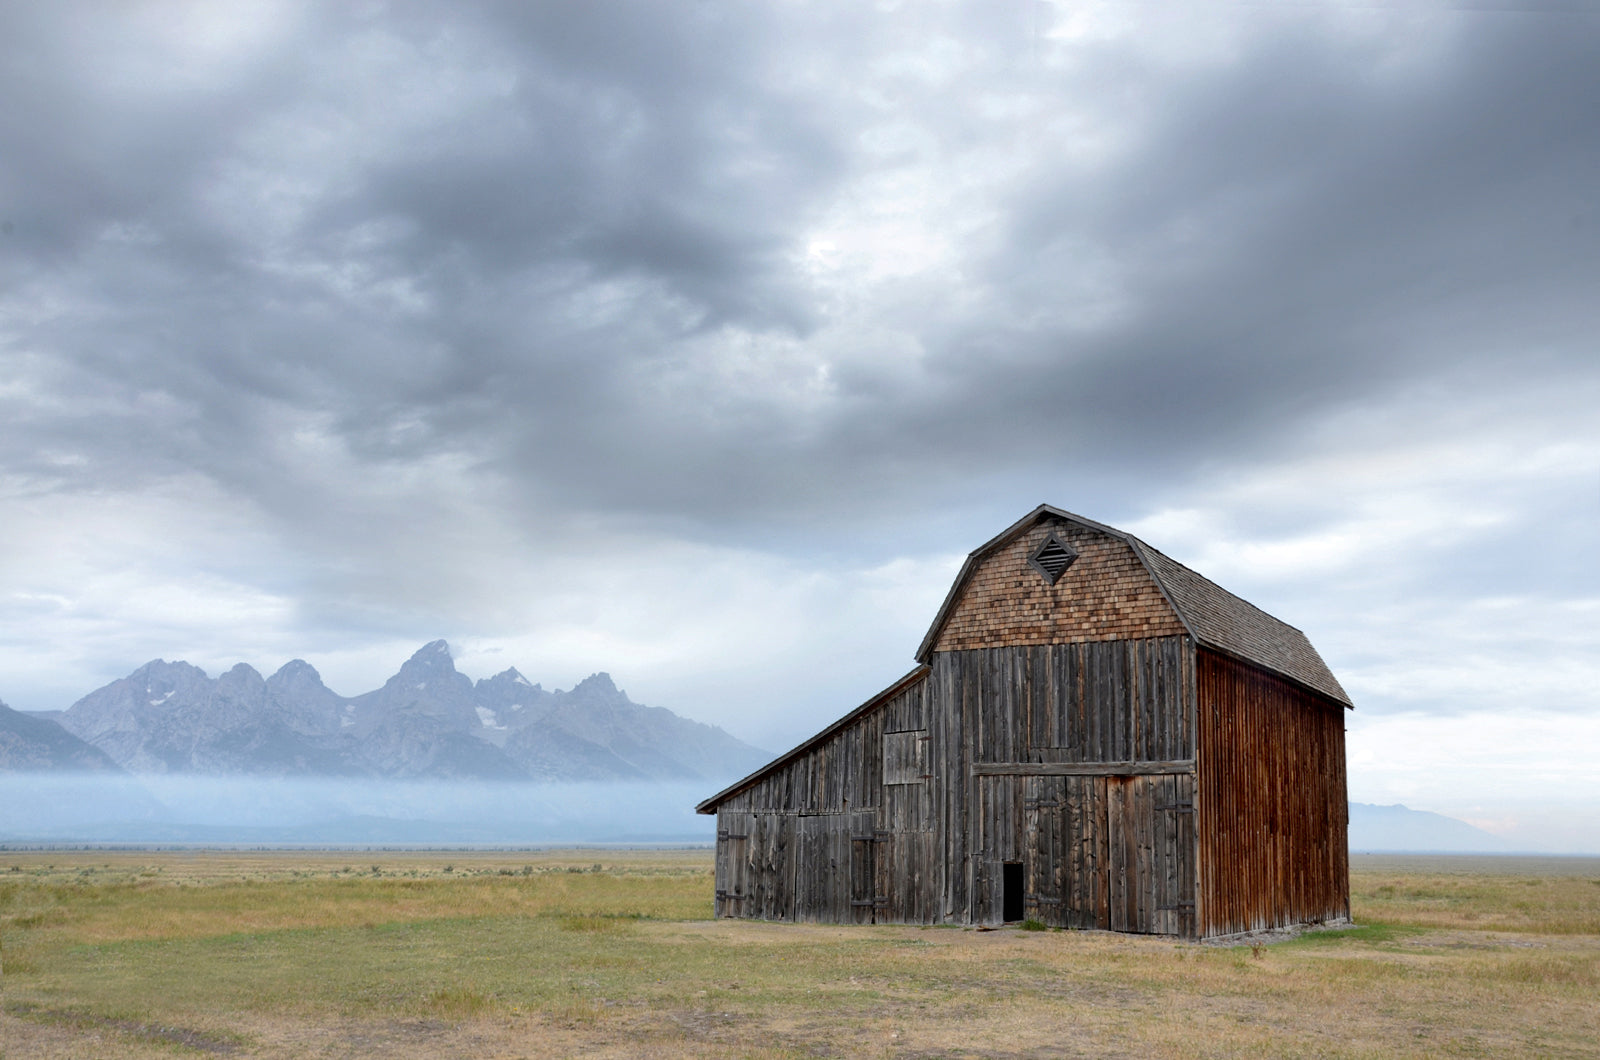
(178, 808)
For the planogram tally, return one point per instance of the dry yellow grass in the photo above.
(1543, 905)
(290, 955)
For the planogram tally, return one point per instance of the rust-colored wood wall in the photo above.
(1272, 807)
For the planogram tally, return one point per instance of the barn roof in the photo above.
(1214, 617)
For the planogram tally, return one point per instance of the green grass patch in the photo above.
(1370, 934)
(609, 923)
(458, 1002)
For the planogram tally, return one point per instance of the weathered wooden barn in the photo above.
(1095, 736)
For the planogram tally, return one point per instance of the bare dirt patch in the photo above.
(82, 1026)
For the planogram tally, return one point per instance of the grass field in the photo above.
(311, 954)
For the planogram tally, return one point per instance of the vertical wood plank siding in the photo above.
(1142, 783)
(1105, 701)
(1272, 808)
(801, 842)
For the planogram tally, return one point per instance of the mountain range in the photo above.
(427, 722)
(1400, 828)
(29, 743)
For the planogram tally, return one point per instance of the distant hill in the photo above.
(428, 721)
(31, 745)
(1400, 829)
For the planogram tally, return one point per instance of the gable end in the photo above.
(992, 604)
(1052, 579)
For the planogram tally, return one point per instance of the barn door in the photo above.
(1111, 852)
(1001, 826)
(906, 878)
(1174, 855)
(1045, 844)
(733, 864)
(1151, 831)
(863, 867)
(1066, 843)
(1129, 909)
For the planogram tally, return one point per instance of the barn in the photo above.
(1095, 736)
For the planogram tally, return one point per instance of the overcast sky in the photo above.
(699, 342)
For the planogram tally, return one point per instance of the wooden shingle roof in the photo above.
(1214, 617)
(1218, 619)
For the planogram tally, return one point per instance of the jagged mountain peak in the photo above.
(431, 659)
(508, 700)
(161, 671)
(241, 675)
(597, 684)
(296, 669)
(158, 686)
(427, 720)
(296, 675)
(509, 676)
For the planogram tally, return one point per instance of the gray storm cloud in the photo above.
(707, 338)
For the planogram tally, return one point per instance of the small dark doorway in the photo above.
(1011, 882)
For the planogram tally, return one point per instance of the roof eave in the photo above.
(1338, 701)
(1139, 549)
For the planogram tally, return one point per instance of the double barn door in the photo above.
(782, 866)
(1114, 852)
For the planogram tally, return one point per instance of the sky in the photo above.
(698, 343)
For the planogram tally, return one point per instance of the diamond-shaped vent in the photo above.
(1052, 558)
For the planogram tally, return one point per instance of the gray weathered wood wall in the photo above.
(824, 837)
(997, 755)
(1057, 749)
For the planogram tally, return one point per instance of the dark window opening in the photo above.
(1011, 880)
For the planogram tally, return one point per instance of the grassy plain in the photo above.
(544, 954)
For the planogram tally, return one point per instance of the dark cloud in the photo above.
(1302, 229)
(385, 277)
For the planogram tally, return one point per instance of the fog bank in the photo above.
(191, 809)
